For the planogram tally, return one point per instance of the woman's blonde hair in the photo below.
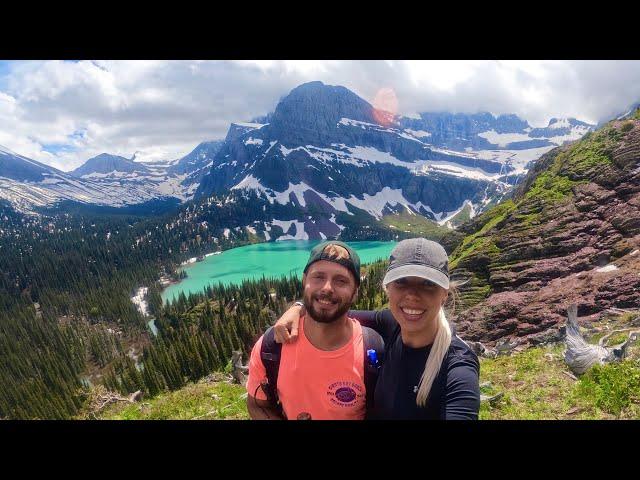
(439, 348)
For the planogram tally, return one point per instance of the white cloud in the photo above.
(165, 108)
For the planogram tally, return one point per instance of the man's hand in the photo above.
(286, 328)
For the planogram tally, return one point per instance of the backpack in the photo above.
(270, 356)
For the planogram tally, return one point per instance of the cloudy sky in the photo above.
(62, 113)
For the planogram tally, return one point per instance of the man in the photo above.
(322, 375)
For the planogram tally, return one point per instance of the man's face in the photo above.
(329, 290)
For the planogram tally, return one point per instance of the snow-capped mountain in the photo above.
(324, 153)
(505, 138)
(117, 173)
(28, 184)
(104, 180)
(327, 151)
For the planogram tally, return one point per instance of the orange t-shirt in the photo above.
(329, 385)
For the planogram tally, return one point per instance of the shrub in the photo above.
(612, 387)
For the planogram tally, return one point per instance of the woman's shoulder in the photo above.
(461, 353)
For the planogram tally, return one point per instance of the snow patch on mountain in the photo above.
(503, 139)
(417, 133)
(374, 204)
(251, 182)
(250, 125)
(333, 220)
(112, 174)
(570, 137)
(286, 225)
(358, 123)
(453, 169)
(444, 219)
(517, 159)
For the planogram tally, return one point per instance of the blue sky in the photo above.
(163, 109)
(4, 71)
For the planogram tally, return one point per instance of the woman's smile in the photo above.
(412, 314)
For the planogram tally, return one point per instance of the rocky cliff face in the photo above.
(570, 234)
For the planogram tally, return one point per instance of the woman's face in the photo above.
(415, 303)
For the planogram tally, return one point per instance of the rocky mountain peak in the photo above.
(107, 163)
(312, 110)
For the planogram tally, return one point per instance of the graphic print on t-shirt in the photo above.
(345, 394)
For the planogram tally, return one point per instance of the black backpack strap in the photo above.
(270, 356)
(372, 362)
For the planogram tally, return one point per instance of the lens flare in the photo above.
(385, 105)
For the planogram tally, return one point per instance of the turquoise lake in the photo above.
(272, 259)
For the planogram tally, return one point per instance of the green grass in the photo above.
(204, 401)
(481, 241)
(613, 388)
(617, 338)
(415, 224)
(627, 317)
(583, 158)
(462, 216)
(533, 384)
(528, 219)
(536, 386)
(550, 188)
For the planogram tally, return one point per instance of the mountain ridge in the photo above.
(569, 234)
(107, 163)
(328, 153)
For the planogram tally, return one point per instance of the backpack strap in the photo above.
(270, 356)
(372, 363)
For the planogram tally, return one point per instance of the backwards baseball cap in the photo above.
(418, 257)
(352, 263)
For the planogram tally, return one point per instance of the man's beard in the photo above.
(322, 316)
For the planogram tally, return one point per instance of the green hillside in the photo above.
(206, 400)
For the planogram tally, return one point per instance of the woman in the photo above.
(427, 373)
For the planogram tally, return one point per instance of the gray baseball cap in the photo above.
(418, 257)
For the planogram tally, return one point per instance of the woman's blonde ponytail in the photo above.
(439, 350)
